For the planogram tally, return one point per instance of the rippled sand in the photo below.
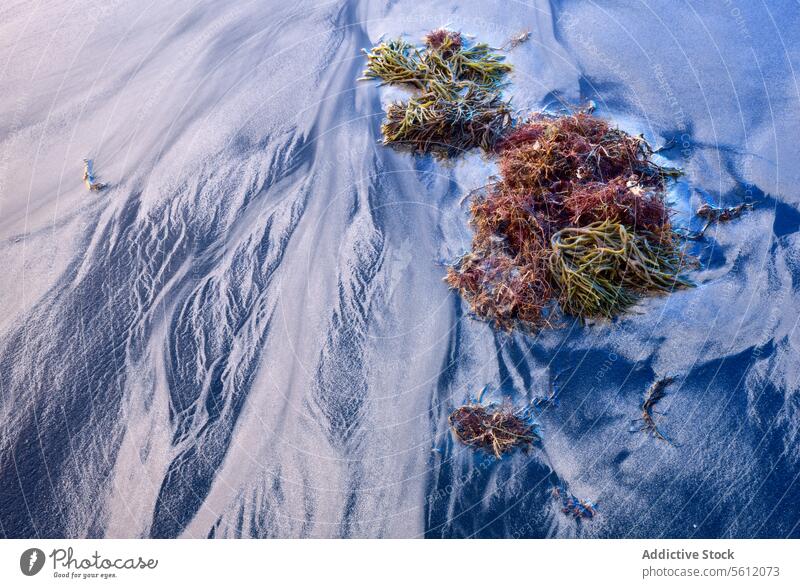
(247, 333)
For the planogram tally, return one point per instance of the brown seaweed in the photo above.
(497, 428)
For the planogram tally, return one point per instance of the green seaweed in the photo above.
(458, 105)
(602, 269)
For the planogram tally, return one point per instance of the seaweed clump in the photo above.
(578, 217)
(497, 428)
(458, 102)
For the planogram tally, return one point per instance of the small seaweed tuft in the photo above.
(497, 428)
(573, 506)
(444, 40)
(714, 214)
